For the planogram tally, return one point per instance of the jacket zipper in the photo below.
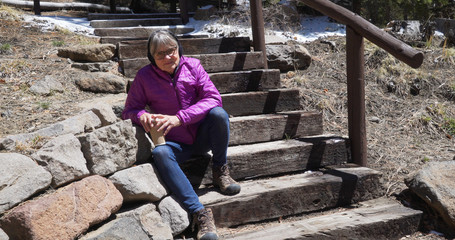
(174, 83)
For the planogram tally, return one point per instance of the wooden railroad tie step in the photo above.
(263, 102)
(374, 219)
(220, 62)
(293, 194)
(138, 48)
(116, 39)
(140, 32)
(135, 22)
(106, 16)
(244, 81)
(273, 158)
(272, 127)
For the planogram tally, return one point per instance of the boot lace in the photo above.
(204, 221)
(225, 178)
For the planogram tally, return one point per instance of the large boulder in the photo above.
(288, 57)
(120, 228)
(20, 178)
(63, 158)
(139, 183)
(115, 101)
(105, 113)
(3, 235)
(145, 145)
(88, 53)
(93, 67)
(406, 31)
(46, 86)
(435, 184)
(151, 221)
(139, 223)
(84, 122)
(65, 213)
(174, 214)
(110, 148)
(101, 82)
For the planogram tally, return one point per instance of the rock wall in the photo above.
(91, 179)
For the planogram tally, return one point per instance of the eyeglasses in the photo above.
(162, 54)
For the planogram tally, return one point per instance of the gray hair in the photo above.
(161, 38)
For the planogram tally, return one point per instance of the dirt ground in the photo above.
(410, 112)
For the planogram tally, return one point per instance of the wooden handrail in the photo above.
(366, 29)
(356, 29)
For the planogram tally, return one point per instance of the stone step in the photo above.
(140, 32)
(106, 16)
(115, 23)
(138, 48)
(289, 195)
(380, 218)
(255, 103)
(270, 159)
(220, 62)
(116, 39)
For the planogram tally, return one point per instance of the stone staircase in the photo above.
(297, 181)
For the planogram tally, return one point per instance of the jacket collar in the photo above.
(166, 75)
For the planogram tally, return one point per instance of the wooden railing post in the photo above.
(36, 7)
(183, 4)
(257, 27)
(356, 96)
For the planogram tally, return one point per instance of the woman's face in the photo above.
(167, 58)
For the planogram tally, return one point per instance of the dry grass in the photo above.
(276, 18)
(405, 130)
(32, 56)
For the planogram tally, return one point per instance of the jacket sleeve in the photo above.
(136, 102)
(208, 96)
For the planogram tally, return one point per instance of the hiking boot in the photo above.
(222, 179)
(205, 223)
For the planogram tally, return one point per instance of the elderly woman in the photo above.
(187, 108)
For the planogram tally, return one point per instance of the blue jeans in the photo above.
(213, 134)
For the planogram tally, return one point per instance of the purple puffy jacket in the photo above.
(189, 95)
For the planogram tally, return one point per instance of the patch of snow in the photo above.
(206, 7)
(320, 27)
(439, 34)
(49, 23)
(313, 28)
